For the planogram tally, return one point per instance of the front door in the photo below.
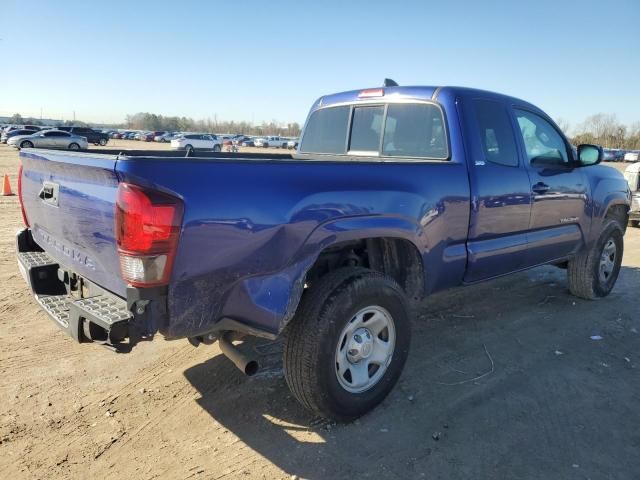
(559, 190)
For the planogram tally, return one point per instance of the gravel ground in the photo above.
(554, 404)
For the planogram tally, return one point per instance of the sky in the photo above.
(263, 61)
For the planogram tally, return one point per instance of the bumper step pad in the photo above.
(70, 313)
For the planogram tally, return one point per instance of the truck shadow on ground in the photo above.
(541, 410)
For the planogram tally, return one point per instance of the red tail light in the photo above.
(24, 213)
(147, 227)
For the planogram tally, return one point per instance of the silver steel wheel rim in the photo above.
(73, 146)
(607, 261)
(365, 349)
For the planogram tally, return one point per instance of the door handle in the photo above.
(540, 188)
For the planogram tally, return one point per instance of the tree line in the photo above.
(605, 129)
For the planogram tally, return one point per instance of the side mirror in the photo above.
(589, 154)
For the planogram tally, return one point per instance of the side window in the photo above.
(542, 141)
(366, 128)
(414, 130)
(496, 134)
(326, 131)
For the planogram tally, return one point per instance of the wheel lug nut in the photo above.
(353, 352)
(357, 338)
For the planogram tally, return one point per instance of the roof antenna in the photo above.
(389, 83)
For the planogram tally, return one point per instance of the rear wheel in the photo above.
(217, 148)
(635, 223)
(346, 348)
(593, 273)
(74, 146)
(26, 144)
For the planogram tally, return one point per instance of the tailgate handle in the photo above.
(49, 193)
(46, 192)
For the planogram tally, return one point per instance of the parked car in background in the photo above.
(608, 155)
(248, 142)
(131, 135)
(93, 136)
(619, 155)
(11, 128)
(633, 156)
(240, 139)
(632, 175)
(292, 144)
(197, 141)
(271, 141)
(50, 139)
(21, 131)
(150, 136)
(165, 137)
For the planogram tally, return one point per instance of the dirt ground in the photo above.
(555, 404)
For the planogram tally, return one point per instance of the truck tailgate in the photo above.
(69, 202)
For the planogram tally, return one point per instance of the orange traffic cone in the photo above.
(6, 187)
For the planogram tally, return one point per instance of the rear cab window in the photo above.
(413, 130)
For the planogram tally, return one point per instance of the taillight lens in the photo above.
(24, 213)
(147, 227)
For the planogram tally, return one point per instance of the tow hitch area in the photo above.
(85, 311)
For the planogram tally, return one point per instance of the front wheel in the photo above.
(347, 345)
(103, 142)
(26, 144)
(74, 146)
(593, 273)
(217, 148)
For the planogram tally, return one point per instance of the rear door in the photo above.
(559, 190)
(500, 191)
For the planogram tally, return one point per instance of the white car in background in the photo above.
(272, 141)
(632, 156)
(196, 141)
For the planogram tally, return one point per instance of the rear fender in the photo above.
(269, 302)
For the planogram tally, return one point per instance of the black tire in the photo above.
(312, 338)
(74, 146)
(26, 144)
(189, 148)
(634, 223)
(102, 142)
(217, 148)
(583, 271)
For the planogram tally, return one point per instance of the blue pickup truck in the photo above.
(392, 194)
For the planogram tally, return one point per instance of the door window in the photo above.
(496, 134)
(542, 142)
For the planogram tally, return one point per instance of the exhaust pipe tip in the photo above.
(247, 365)
(251, 368)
